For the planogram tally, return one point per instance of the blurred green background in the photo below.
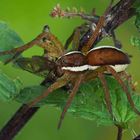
(27, 18)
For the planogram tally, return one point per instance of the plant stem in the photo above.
(120, 130)
(17, 122)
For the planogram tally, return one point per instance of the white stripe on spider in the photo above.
(117, 68)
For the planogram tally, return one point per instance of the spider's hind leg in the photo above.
(120, 81)
(107, 94)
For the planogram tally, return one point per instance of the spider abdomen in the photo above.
(107, 55)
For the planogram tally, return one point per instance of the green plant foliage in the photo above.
(135, 41)
(8, 39)
(9, 89)
(137, 7)
(137, 21)
(89, 102)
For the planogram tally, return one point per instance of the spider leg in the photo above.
(116, 42)
(107, 94)
(99, 26)
(115, 74)
(56, 42)
(17, 54)
(76, 39)
(71, 96)
(129, 79)
(60, 82)
(26, 46)
(69, 40)
(40, 40)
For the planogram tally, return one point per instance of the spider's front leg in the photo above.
(42, 41)
(70, 98)
(77, 37)
(115, 74)
(26, 46)
(60, 82)
(64, 80)
(17, 51)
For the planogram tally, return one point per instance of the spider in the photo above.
(76, 67)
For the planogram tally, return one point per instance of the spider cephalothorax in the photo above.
(73, 60)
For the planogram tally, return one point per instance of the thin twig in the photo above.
(17, 122)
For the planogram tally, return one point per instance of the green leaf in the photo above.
(135, 41)
(89, 102)
(8, 39)
(137, 13)
(137, 21)
(9, 89)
